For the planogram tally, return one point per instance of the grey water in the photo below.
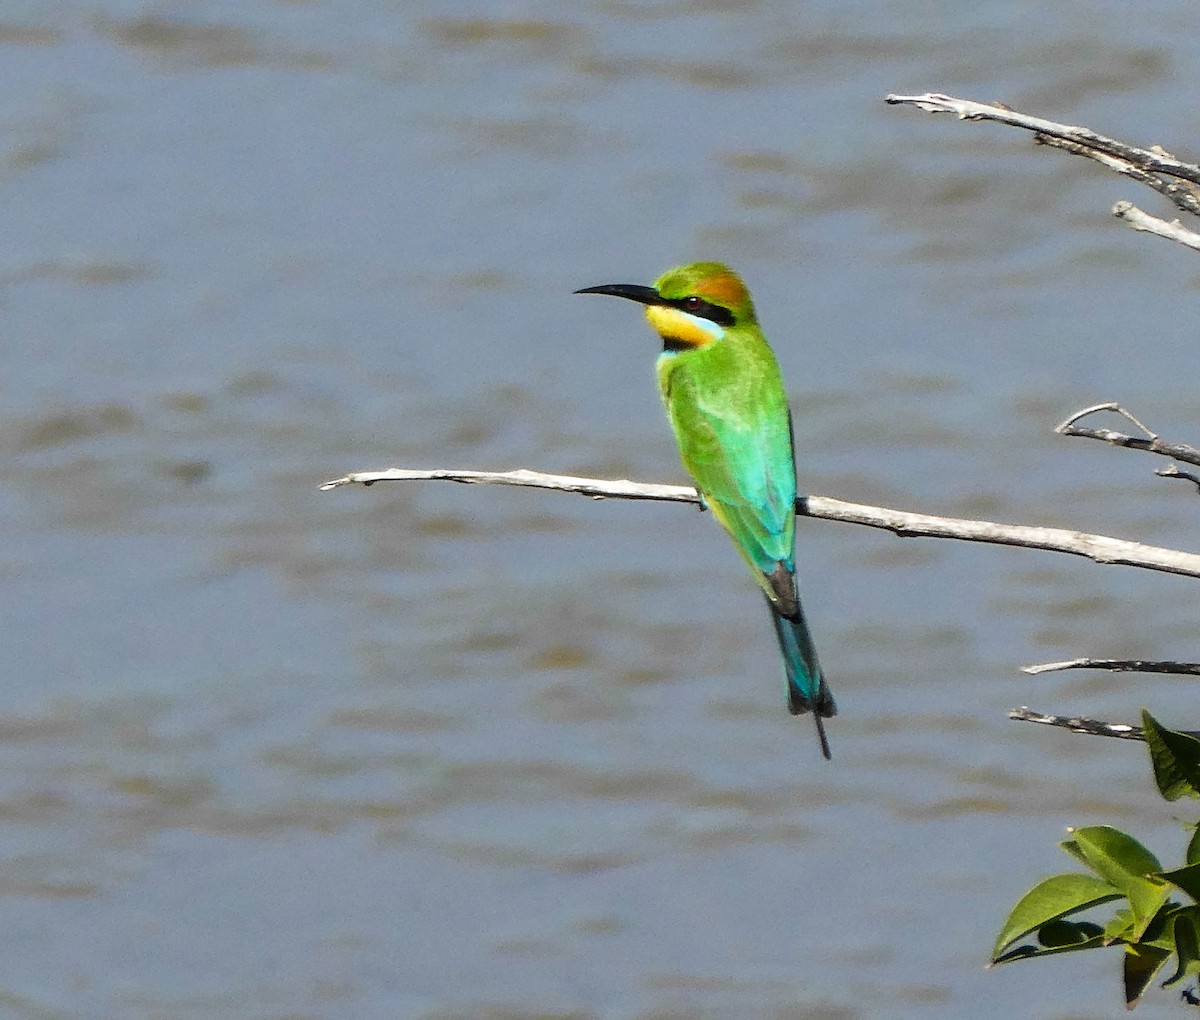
(432, 751)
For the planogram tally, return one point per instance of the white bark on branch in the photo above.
(904, 523)
(1088, 727)
(1172, 230)
(1079, 724)
(595, 487)
(1173, 178)
(1118, 666)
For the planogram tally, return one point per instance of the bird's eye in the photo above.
(693, 303)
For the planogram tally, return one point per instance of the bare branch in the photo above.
(1151, 443)
(1182, 193)
(1154, 167)
(595, 487)
(1079, 724)
(1172, 230)
(1119, 666)
(1109, 405)
(1098, 548)
(1086, 141)
(1171, 471)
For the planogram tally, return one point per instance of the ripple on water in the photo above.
(182, 44)
(543, 35)
(29, 35)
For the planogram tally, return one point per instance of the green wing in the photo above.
(735, 440)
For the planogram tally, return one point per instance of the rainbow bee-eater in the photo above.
(726, 403)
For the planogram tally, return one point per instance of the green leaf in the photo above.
(1122, 927)
(1122, 861)
(1160, 931)
(1141, 964)
(1187, 879)
(1049, 900)
(1119, 928)
(1114, 855)
(1193, 850)
(1059, 934)
(1071, 847)
(1175, 757)
(1186, 925)
(1028, 952)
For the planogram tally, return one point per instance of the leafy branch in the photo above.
(1150, 923)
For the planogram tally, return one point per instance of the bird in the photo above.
(725, 399)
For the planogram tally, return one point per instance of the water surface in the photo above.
(440, 752)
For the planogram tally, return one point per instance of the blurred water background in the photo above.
(436, 752)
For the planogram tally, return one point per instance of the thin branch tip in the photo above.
(1171, 471)
(1151, 441)
(1079, 724)
(1064, 426)
(1169, 666)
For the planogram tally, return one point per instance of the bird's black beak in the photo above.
(632, 291)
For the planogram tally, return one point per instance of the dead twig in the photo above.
(1154, 167)
(1150, 442)
(1172, 230)
(1079, 724)
(1181, 193)
(1171, 471)
(1119, 666)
